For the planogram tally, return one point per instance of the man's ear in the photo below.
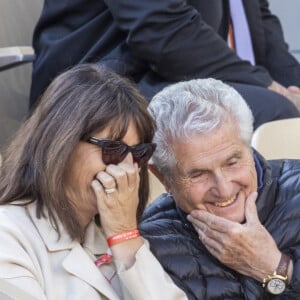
(159, 176)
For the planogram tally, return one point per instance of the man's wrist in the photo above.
(277, 282)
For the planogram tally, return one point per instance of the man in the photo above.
(228, 228)
(160, 42)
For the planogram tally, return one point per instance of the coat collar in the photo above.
(94, 239)
(267, 185)
(77, 261)
(79, 264)
(47, 232)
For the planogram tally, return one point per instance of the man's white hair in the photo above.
(194, 107)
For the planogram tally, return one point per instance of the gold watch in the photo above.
(276, 283)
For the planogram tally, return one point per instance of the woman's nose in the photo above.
(128, 158)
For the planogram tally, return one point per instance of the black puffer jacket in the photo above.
(177, 246)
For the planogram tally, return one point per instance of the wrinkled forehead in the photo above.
(207, 149)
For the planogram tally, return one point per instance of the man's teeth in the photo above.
(225, 203)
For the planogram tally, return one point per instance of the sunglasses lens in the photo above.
(113, 152)
(142, 153)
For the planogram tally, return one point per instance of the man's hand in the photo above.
(278, 88)
(292, 93)
(294, 89)
(247, 248)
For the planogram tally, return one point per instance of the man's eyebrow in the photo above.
(196, 170)
(236, 154)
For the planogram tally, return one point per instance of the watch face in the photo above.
(276, 286)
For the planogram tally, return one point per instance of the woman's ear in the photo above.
(159, 176)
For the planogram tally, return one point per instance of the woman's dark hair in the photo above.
(83, 100)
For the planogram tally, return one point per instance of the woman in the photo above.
(73, 187)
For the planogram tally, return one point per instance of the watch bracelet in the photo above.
(281, 272)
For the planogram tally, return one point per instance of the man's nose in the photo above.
(222, 185)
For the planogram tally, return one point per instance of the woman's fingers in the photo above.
(123, 177)
(129, 177)
(99, 192)
(107, 180)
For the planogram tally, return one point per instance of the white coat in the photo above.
(33, 259)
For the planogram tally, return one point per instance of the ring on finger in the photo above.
(109, 191)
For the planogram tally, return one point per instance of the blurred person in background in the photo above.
(156, 43)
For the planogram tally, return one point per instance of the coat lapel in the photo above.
(77, 261)
(79, 264)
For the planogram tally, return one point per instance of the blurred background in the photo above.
(288, 13)
(17, 21)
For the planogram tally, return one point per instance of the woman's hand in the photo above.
(116, 190)
(247, 248)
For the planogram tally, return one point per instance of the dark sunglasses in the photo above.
(113, 152)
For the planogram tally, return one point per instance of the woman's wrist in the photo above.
(122, 237)
(125, 252)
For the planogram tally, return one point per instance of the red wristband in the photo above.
(122, 237)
